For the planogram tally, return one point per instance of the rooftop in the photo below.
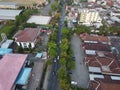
(27, 35)
(96, 47)
(10, 66)
(107, 65)
(7, 14)
(102, 82)
(43, 20)
(87, 37)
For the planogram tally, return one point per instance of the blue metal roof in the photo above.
(23, 76)
(39, 55)
(4, 51)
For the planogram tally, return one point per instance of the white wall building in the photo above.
(91, 0)
(88, 17)
(27, 37)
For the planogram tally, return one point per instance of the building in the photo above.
(95, 47)
(27, 38)
(8, 5)
(114, 13)
(89, 17)
(4, 51)
(13, 71)
(104, 71)
(91, 0)
(6, 14)
(41, 20)
(94, 39)
(104, 82)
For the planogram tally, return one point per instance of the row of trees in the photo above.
(66, 60)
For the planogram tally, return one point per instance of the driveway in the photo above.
(80, 74)
(36, 75)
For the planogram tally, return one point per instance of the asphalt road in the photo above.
(53, 83)
(46, 9)
(80, 74)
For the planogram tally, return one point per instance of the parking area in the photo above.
(80, 74)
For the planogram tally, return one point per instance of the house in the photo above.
(104, 82)
(102, 64)
(96, 47)
(27, 38)
(13, 72)
(94, 38)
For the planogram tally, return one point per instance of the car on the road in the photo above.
(73, 82)
(73, 58)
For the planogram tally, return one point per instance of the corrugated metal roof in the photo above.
(39, 55)
(7, 43)
(10, 66)
(90, 52)
(23, 76)
(6, 12)
(93, 76)
(4, 51)
(9, 14)
(115, 78)
(43, 20)
(94, 69)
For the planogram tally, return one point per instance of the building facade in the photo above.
(87, 16)
(91, 0)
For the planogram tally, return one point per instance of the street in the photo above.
(53, 83)
(80, 74)
(46, 9)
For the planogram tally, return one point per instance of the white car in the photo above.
(73, 82)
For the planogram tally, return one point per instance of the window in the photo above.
(25, 45)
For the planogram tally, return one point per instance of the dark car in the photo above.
(73, 58)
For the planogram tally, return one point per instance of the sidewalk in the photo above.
(47, 77)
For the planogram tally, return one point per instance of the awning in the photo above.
(39, 55)
(23, 76)
(4, 51)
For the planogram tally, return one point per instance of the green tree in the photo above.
(82, 29)
(64, 85)
(64, 45)
(62, 74)
(63, 62)
(54, 6)
(52, 49)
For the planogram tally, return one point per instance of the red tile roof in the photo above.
(96, 47)
(106, 64)
(87, 37)
(10, 66)
(27, 35)
(99, 84)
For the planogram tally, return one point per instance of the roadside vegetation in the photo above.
(20, 23)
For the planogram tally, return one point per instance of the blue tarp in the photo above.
(4, 51)
(39, 55)
(23, 76)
